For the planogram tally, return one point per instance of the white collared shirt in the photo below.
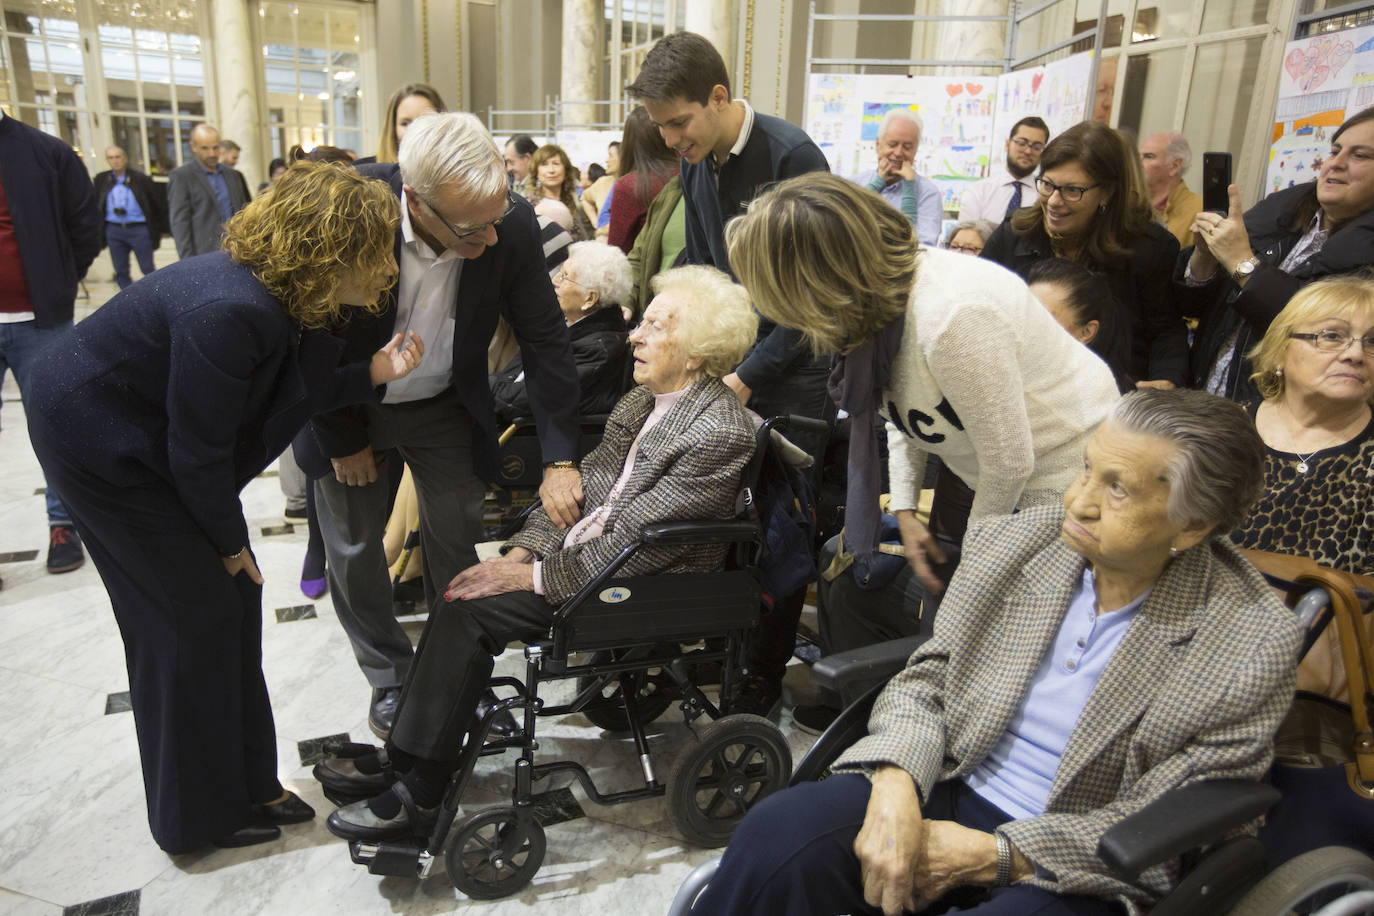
(745, 129)
(426, 301)
(988, 199)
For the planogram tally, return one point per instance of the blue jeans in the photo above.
(123, 238)
(20, 345)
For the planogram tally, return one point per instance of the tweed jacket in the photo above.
(688, 467)
(1195, 691)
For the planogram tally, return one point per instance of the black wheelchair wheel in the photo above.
(734, 763)
(1307, 883)
(494, 853)
(654, 692)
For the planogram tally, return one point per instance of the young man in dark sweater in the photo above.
(730, 154)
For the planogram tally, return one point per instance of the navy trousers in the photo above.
(793, 855)
(192, 644)
(123, 238)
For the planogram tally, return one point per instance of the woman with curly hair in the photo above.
(551, 182)
(153, 413)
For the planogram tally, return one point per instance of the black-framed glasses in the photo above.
(1333, 341)
(461, 234)
(967, 249)
(1069, 192)
(1023, 143)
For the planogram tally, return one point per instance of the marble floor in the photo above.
(73, 821)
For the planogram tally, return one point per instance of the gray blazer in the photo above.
(688, 467)
(1195, 691)
(192, 211)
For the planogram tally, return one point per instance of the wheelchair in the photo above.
(622, 639)
(1222, 873)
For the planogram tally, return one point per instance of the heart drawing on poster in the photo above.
(973, 88)
(1036, 80)
(953, 89)
(1323, 58)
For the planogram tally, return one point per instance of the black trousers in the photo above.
(453, 664)
(192, 644)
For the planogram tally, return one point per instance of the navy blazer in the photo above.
(507, 280)
(195, 377)
(52, 203)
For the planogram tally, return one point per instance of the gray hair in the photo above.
(983, 227)
(1176, 147)
(603, 268)
(1219, 469)
(901, 114)
(451, 149)
(718, 324)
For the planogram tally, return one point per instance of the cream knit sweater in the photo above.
(988, 380)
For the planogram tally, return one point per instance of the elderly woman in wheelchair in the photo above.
(674, 449)
(1086, 661)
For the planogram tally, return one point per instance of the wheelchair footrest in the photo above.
(399, 858)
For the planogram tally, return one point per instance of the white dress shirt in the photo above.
(426, 301)
(988, 199)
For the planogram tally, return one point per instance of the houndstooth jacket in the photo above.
(688, 467)
(1195, 691)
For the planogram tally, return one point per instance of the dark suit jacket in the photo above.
(194, 378)
(192, 210)
(1195, 691)
(1140, 284)
(688, 467)
(1221, 307)
(507, 280)
(52, 204)
(144, 191)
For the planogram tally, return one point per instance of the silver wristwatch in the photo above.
(1003, 860)
(1245, 268)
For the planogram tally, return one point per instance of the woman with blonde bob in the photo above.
(674, 449)
(1315, 370)
(954, 351)
(154, 413)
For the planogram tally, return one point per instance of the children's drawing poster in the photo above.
(1057, 92)
(1325, 79)
(845, 113)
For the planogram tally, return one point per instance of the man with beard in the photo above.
(995, 197)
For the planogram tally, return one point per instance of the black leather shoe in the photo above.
(504, 725)
(383, 711)
(290, 810)
(249, 835)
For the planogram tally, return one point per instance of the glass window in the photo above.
(1162, 19)
(312, 69)
(1220, 15)
(1150, 96)
(1223, 72)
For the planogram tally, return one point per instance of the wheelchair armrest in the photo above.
(849, 674)
(1182, 820)
(706, 532)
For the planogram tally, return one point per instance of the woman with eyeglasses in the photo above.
(1244, 267)
(970, 235)
(591, 286)
(1092, 208)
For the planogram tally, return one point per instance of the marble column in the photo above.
(714, 20)
(583, 37)
(235, 81)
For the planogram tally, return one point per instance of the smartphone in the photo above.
(1216, 178)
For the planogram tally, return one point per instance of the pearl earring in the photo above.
(1173, 551)
(1279, 371)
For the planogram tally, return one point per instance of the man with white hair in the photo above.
(895, 178)
(1165, 157)
(468, 252)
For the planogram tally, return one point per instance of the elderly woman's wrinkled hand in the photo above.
(1223, 237)
(889, 844)
(491, 577)
(953, 855)
(400, 356)
(561, 493)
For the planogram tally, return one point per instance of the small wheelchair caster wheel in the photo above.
(734, 763)
(494, 853)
